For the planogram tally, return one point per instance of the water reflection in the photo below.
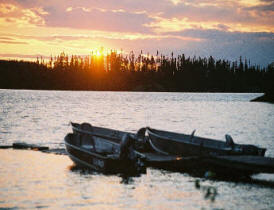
(31, 179)
(125, 178)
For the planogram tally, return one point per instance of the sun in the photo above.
(98, 52)
(103, 52)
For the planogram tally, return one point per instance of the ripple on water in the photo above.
(35, 180)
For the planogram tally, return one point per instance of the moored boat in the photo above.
(111, 138)
(242, 164)
(85, 152)
(166, 142)
(209, 156)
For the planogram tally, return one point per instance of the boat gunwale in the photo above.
(182, 141)
(150, 131)
(103, 136)
(219, 144)
(106, 138)
(110, 139)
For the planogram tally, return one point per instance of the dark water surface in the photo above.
(31, 179)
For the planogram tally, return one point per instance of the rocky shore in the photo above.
(267, 97)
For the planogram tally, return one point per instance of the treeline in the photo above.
(143, 72)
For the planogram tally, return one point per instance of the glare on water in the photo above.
(31, 179)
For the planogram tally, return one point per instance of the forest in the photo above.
(142, 72)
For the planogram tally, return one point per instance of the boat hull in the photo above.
(95, 161)
(186, 145)
(171, 152)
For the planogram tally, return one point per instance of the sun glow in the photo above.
(102, 52)
(99, 52)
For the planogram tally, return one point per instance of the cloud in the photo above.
(211, 14)
(12, 42)
(14, 55)
(268, 7)
(149, 16)
(195, 27)
(221, 35)
(109, 16)
(10, 13)
(231, 45)
(5, 38)
(98, 19)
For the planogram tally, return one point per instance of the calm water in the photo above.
(31, 179)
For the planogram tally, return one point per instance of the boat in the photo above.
(172, 143)
(87, 153)
(210, 156)
(110, 138)
(239, 164)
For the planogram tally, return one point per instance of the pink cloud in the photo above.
(128, 18)
(14, 13)
(98, 19)
(12, 42)
(137, 16)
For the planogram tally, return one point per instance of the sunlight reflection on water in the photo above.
(34, 180)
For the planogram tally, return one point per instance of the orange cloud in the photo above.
(76, 27)
(14, 15)
(164, 25)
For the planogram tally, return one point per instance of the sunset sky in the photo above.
(221, 28)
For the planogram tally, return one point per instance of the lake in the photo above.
(30, 179)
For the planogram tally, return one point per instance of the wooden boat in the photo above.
(85, 152)
(166, 142)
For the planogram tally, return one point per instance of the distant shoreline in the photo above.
(118, 73)
(132, 91)
(267, 97)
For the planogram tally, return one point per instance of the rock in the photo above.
(56, 151)
(40, 148)
(22, 145)
(267, 97)
(5, 146)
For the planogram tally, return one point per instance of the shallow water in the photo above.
(31, 179)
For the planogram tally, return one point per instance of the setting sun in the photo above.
(99, 52)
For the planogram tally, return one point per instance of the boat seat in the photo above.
(88, 146)
(113, 156)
